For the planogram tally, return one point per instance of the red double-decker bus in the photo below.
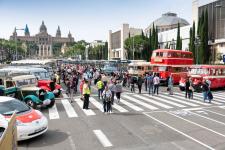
(168, 61)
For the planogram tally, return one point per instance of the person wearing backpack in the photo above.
(205, 90)
(106, 95)
(156, 82)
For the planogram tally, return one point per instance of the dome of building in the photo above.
(168, 21)
(43, 27)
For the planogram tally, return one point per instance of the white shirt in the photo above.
(107, 93)
(156, 80)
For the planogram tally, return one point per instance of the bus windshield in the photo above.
(199, 71)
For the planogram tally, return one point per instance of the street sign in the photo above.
(224, 58)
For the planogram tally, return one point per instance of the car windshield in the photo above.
(198, 71)
(24, 82)
(9, 107)
(42, 75)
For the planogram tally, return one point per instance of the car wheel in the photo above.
(51, 103)
(32, 104)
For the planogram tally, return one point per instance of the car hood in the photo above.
(30, 88)
(28, 117)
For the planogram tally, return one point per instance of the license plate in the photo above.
(39, 129)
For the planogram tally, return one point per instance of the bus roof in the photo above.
(208, 66)
(171, 50)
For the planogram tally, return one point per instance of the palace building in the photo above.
(43, 40)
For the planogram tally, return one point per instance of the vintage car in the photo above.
(44, 79)
(30, 122)
(24, 87)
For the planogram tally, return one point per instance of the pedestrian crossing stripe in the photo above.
(53, 112)
(140, 102)
(88, 112)
(166, 101)
(133, 102)
(153, 102)
(134, 107)
(191, 100)
(69, 108)
(178, 100)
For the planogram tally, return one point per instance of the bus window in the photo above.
(219, 71)
(161, 54)
(165, 54)
(223, 71)
(157, 54)
(162, 68)
(174, 54)
(169, 54)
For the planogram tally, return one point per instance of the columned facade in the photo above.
(43, 40)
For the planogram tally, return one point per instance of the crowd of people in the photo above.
(111, 87)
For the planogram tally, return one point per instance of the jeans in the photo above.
(132, 88)
(156, 88)
(100, 93)
(205, 95)
(150, 89)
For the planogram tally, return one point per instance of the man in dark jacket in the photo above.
(139, 83)
(187, 87)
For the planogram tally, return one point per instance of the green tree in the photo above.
(179, 39)
(192, 41)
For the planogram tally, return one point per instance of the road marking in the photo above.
(197, 124)
(194, 101)
(140, 102)
(136, 108)
(119, 108)
(180, 101)
(166, 101)
(213, 101)
(69, 108)
(182, 133)
(53, 112)
(214, 112)
(97, 104)
(88, 112)
(102, 138)
(65, 95)
(72, 144)
(154, 102)
(208, 118)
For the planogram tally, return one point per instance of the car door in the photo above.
(10, 88)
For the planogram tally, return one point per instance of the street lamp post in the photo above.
(133, 46)
(16, 41)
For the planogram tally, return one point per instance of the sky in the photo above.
(86, 19)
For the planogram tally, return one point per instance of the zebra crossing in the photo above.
(132, 103)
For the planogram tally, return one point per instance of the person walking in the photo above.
(86, 94)
(205, 90)
(156, 84)
(139, 83)
(106, 95)
(112, 88)
(146, 81)
(132, 82)
(170, 85)
(100, 86)
(150, 83)
(118, 90)
(187, 88)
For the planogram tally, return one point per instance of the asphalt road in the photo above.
(138, 122)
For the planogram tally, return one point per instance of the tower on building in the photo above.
(43, 28)
(58, 32)
(14, 32)
(26, 31)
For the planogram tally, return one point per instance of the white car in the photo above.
(30, 122)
